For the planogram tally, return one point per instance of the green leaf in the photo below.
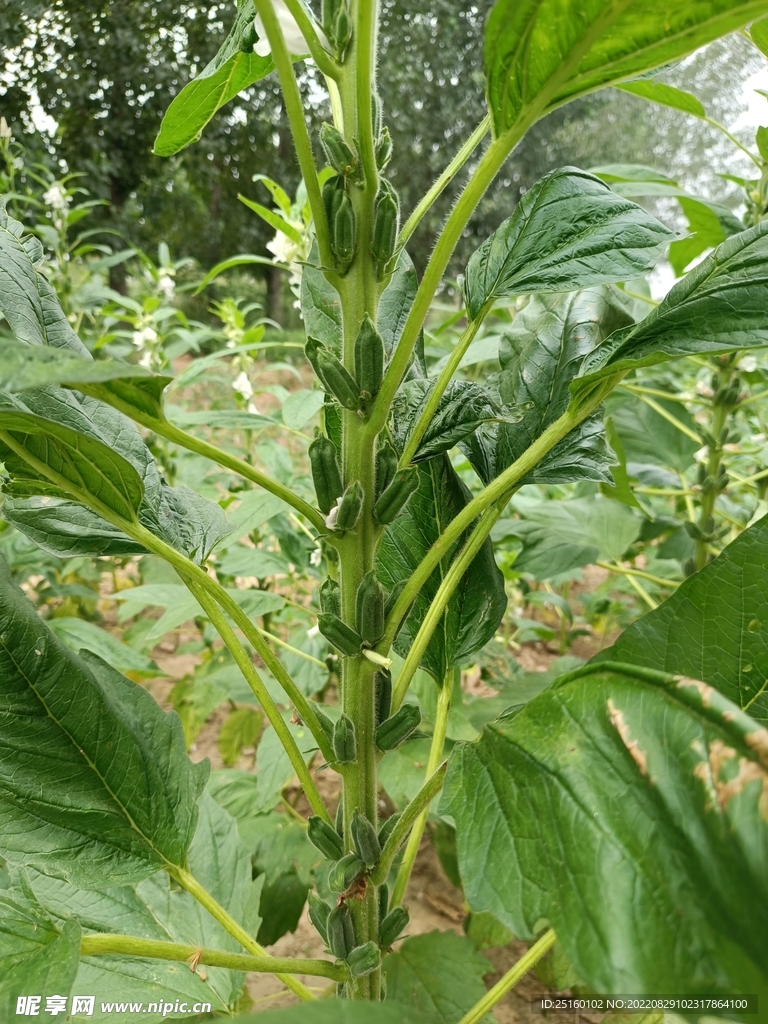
(110, 794)
(666, 95)
(439, 974)
(271, 217)
(464, 406)
(341, 1011)
(697, 316)
(242, 259)
(758, 32)
(559, 536)
(24, 366)
(569, 231)
(81, 463)
(27, 300)
(641, 797)
(402, 771)
(531, 68)
(79, 634)
(478, 603)
(396, 301)
(648, 437)
(230, 72)
(320, 305)
(540, 355)
(182, 606)
(152, 909)
(301, 406)
(761, 138)
(242, 728)
(35, 956)
(725, 636)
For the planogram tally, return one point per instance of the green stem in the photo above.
(510, 979)
(482, 177)
(671, 419)
(320, 55)
(444, 180)
(405, 822)
(244, 663)
(438, 389)
(367, 16)
(640, 573)
(230, 925)
(637, 586)
(435, 756)
(721, 128)
(459, 566)
(132, 946)
(295, 111)
(714, 457)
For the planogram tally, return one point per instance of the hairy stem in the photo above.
(510, 979)
(435, 756)
(405, 822)
(295, 111)
(444, 180)
(230, 925)
(129, 945)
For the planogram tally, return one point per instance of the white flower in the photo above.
(167, 286)
(284, 248)
(242, 386)
(333, 515)
(146, 336)
(56, 198)
(252, 409)
(145, 360)
(5, 131)
(294, 38)
(748, 364)
(316, 557)
(313, 632)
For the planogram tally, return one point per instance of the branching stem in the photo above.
(405, 822)
(510, 979)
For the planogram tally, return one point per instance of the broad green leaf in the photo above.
(301, 406)
(320, 304)
(648, 437)
(666, 95)
(396, 301)
(109, 795)
(100, 454)
(758, 32)
(254, 508)
(540, 54)
(714, 627)
(152, 909)
(709, 223)
(25, 366)
(463, 407)
(241, 728)
(697, 316)
(342, 1011)
(58, 446)
(439, 974)
(182, 606)
(569, 231)
(559, 536)
(640, 796)
(79, 634)
(230, 72)
(540, 355)
(477, 604)
(35, 956)
(27, 300)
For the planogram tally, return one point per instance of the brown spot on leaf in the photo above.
(710, 772)
(617, 721)
(705, 691)
(758, 741)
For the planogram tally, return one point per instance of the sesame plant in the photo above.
(621, 814)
